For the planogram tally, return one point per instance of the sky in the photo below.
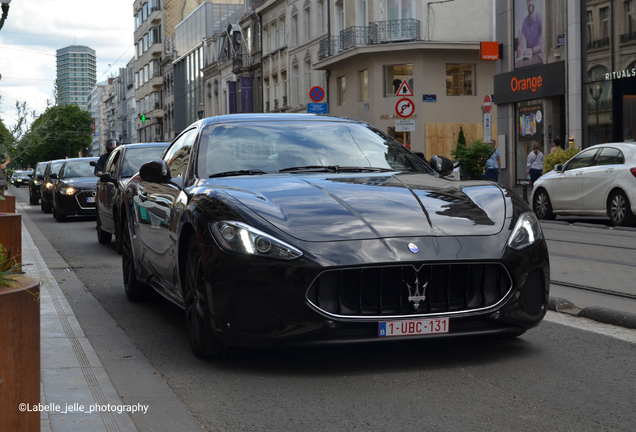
(36, 29)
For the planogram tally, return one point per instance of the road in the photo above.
(569, 374)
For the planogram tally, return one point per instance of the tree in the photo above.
(62, 131)
(461, 139)
(6, 141)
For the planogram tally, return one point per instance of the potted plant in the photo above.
(20, 342)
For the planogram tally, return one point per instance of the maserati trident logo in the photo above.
(415, 295)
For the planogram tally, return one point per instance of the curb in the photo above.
(599, 314)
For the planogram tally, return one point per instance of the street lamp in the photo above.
(5, 11)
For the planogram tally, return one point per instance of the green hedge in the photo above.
(558, 157)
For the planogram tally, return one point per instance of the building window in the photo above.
(274, 37)
(266, 94)
(630, 16)
(460, 79)
(294, 30)
(307, 24)
(340, 21)
(394, 76)
(284, 78)
(276, 92)
(283, 33)
(342, 90)
(321, 17)
(590, 27)
(605, 23)
(364, 85)
(266, 42)
(296, 86)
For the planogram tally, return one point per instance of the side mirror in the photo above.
(558, 168)
(30, 175)
(53, 176)
(106, 178)
(93, 163)
(441, 165)
(156, 171)
(40, 177)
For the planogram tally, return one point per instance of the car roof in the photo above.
(276, 117)
(631, 147)
(150, 144)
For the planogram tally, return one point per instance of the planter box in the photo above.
(11, 234)
(8, 204)
(20, 354)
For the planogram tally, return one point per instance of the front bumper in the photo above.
(80, 203)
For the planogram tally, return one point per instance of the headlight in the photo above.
(49, 185)
(68, 191)
(241, 238)
(527, 231)
(36, 182)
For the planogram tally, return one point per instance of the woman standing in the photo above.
(534, 165)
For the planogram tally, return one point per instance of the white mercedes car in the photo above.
(599, 181)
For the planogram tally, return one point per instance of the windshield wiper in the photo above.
(238, 173)
(335, 169)
(316, 168)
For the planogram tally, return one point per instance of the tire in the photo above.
(135, 290)
(203, 341)
(619, 209)
(58, 216)
(103, 237)
(542, 206)
(46, 207)
(118, 239)
(33, 200)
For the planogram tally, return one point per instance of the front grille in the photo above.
(409, 290)
(82, 199)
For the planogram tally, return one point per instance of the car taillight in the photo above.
(633, 171)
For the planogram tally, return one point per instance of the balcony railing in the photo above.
(275, 104)
(267, 106)
(354, 36)
(284, 100)
(329, 46)
(241, 61)
(627, 37)
(376, 33)
(599, 43)
(394, 30)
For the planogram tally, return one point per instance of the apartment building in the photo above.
(76, 75)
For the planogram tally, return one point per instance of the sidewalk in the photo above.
(101, 384)
(72, 376)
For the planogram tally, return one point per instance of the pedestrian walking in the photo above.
(534, 165)
(492, 164)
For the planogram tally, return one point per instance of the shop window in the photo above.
(630, 17)
(394, 76)
(460, 79)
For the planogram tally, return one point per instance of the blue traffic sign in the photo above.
(317, 108)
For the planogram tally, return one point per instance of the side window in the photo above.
(582, 160)
(178, 155)
(610, 156)
(112, 162)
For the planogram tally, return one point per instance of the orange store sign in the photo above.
(526, 84)
(534, 82)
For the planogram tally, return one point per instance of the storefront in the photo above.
(536, 95)
(609, 62)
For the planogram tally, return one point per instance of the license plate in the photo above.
(412, 327)
(90, 199)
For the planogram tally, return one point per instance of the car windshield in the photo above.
(74, 169)
(137, 156)
(288, 146)
(39, 169)
(55, 166)
(23, 174)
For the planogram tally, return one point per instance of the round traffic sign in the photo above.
(405, 108)
(316, 94)
(487, 103)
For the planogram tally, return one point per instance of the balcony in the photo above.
(267, 106)
(275, 104)
(628, 37)
(241, 61)
(599, 43)
(377, 32)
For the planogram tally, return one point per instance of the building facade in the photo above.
(96, 108)
(76, 75)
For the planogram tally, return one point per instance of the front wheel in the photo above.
(60, 217)
(203, 341)
(33, 200)
(103, 237)
(542, 206)
(619, 209)
(135, 290)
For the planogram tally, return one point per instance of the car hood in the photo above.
(346, 207)
(81, 182)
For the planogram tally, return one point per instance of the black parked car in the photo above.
(75, 189)
(301, 229)
(35, 180)
(122, 164)
(47, 187)
(20, 178)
